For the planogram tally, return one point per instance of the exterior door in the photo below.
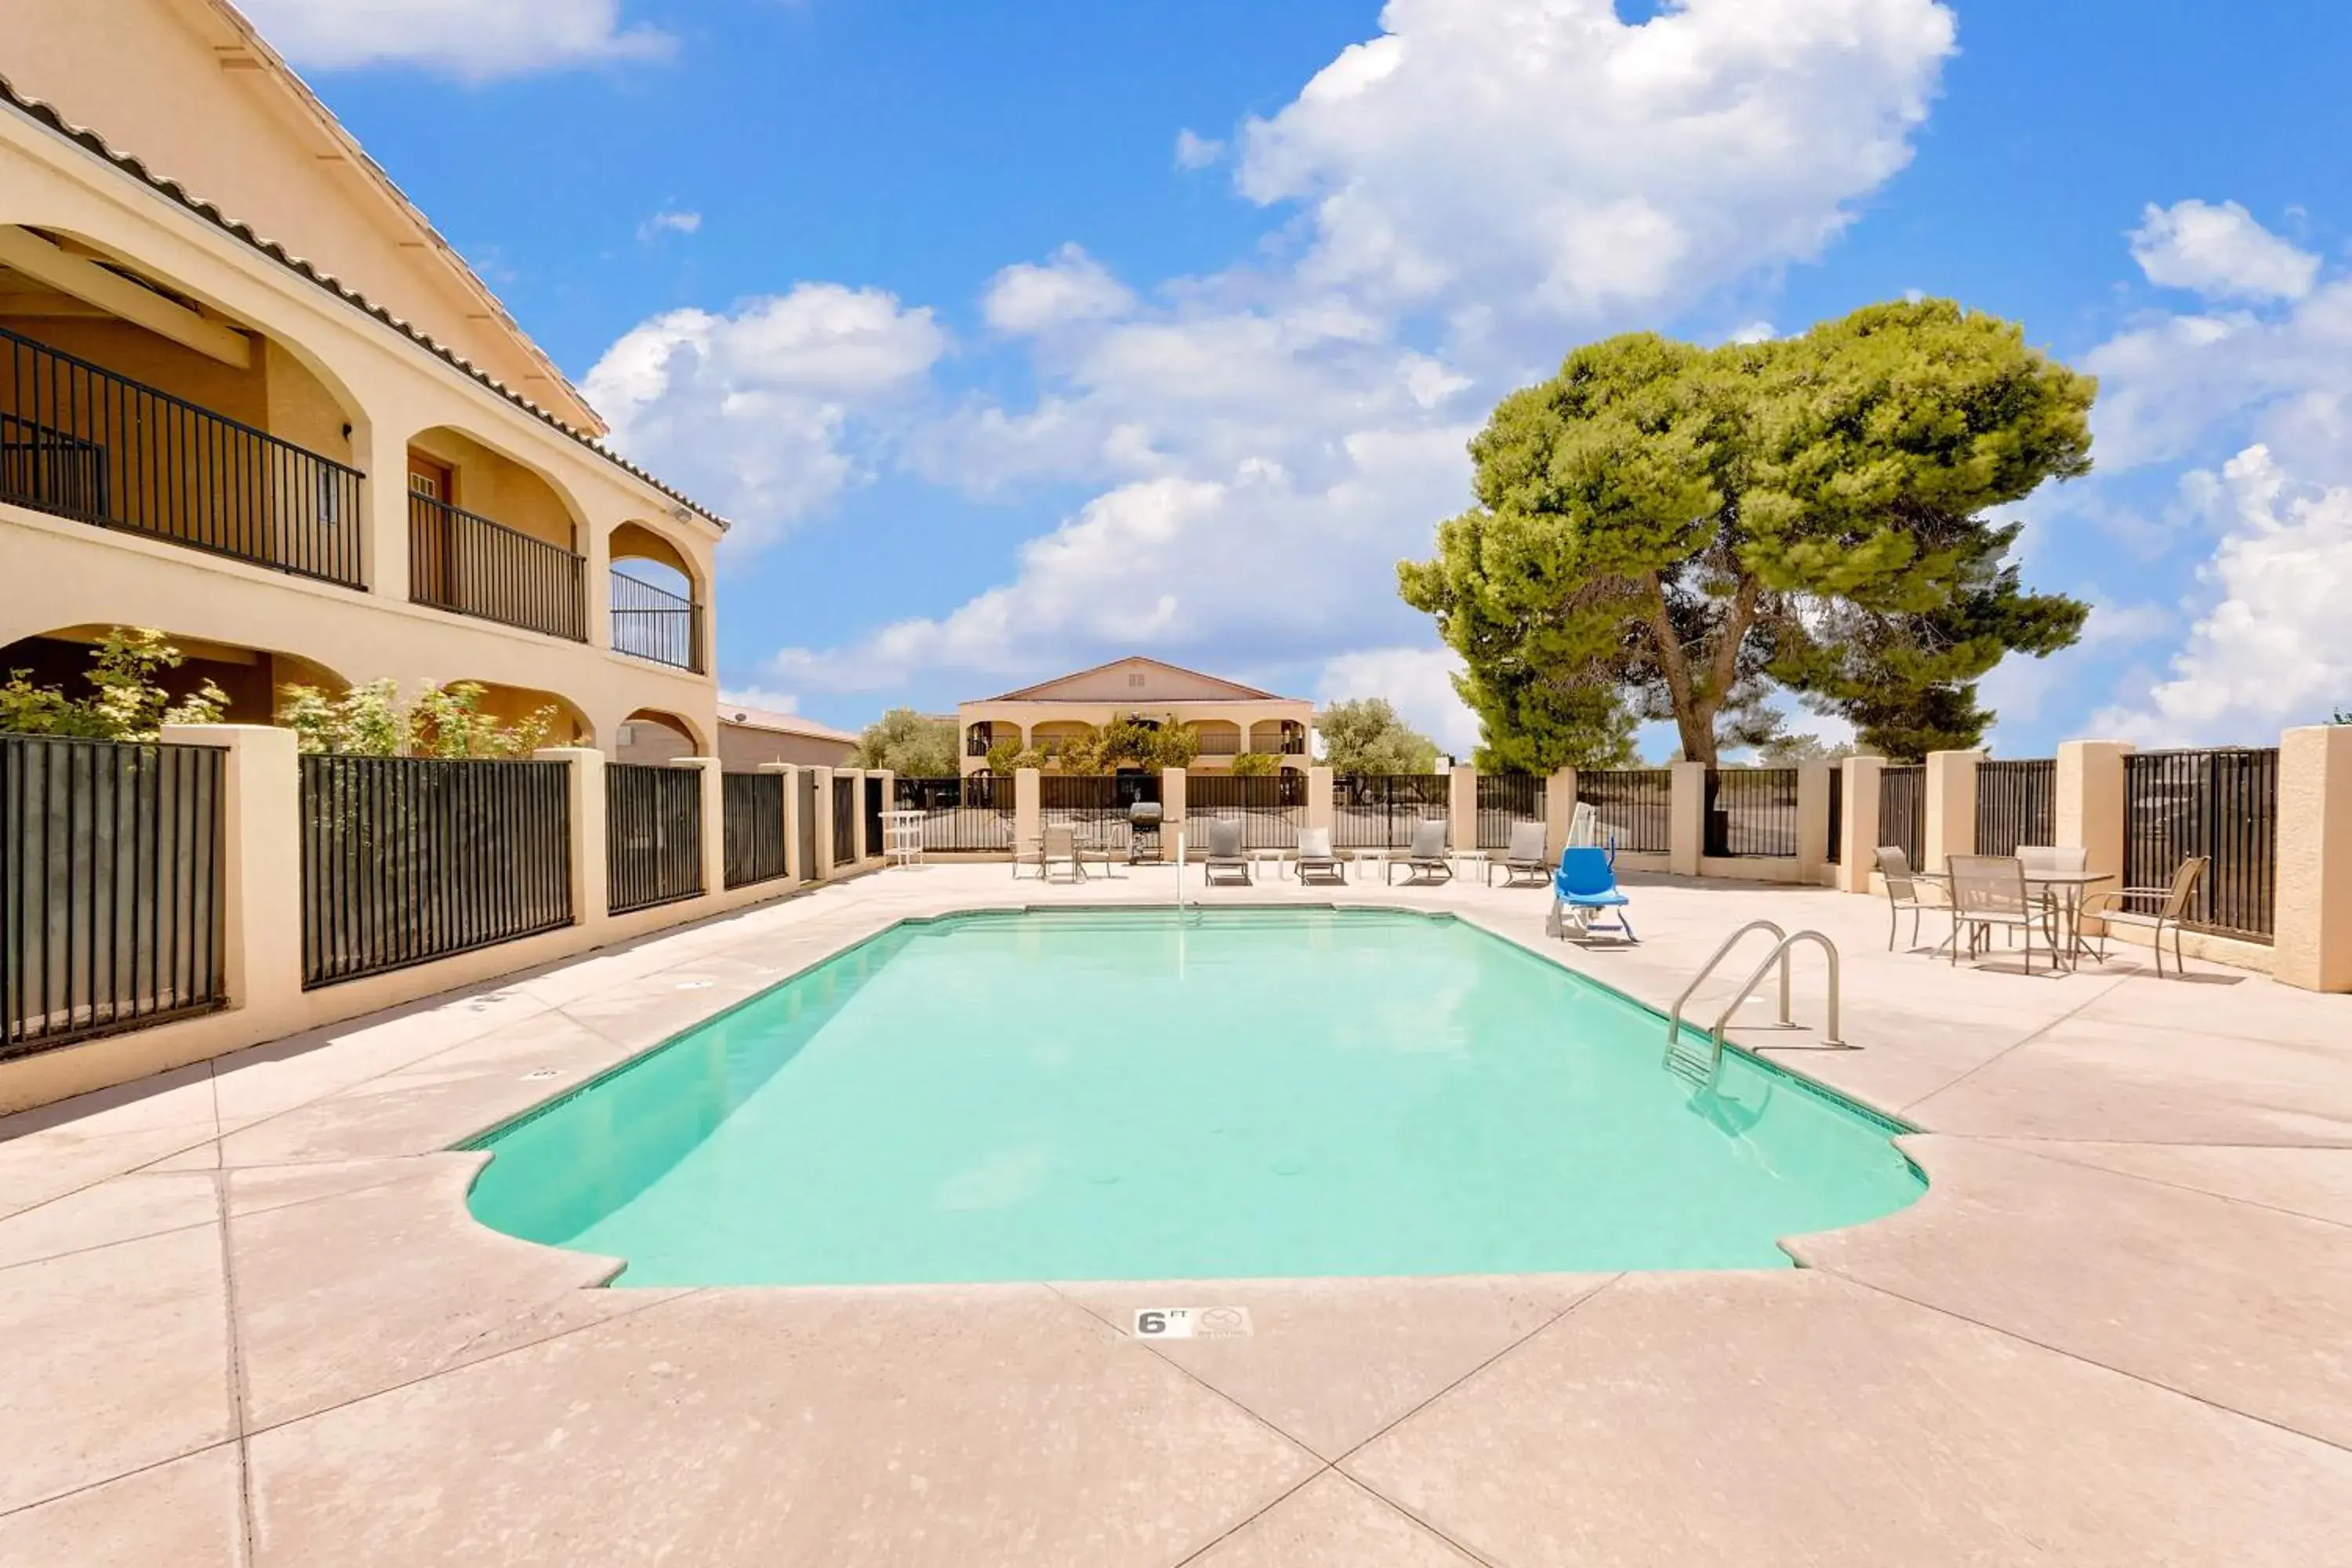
(431, 543)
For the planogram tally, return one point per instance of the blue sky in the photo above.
(1017, 337)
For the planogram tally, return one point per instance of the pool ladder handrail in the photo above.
(1687, 1065)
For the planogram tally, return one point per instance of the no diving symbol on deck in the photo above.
(1192, 1324)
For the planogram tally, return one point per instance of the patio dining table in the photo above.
(2061, 889)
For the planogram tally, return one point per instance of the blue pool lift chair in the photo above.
(1584, 886)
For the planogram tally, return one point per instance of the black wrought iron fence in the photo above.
(1835, 853)
(1505, 800)
(2017, 803)
(1087, 802)
(1751, 813)
(649, 622)
(652, 835)
(874, 844)
(844, 819)
(754, 805)
(1379, 811)
(972, 814)
(1903, 811)
(2219, 803)
(81, 442)
(461, 561)
(408, 859)
(1270, 807)
(110, 876)
(1632, 807)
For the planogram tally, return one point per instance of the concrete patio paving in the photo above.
(252, 1322)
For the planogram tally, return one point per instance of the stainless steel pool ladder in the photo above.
(1700, 1067)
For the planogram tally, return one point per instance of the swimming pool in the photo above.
(1143, 1094)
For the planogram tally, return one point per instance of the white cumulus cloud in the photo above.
(1419, 682)
(1194, 151)
(2269, 649)
(1546, 153)
(1028, 297)
(1456, 200)
(473, 40)
(669, 221)
(754, 409)
(2220, 251)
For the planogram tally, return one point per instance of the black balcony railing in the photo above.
(655, 623)
(84, 443)
(460, 560)
(979, 741)
(1220, 744)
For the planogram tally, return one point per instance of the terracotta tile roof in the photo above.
(47, 117)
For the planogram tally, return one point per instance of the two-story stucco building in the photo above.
(1229, 716)
(250, 398)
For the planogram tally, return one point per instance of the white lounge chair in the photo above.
(1426, 860)
(1316, 858)
(1526, 858)
(1225, 859)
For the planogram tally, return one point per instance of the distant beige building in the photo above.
(250, 398)
(749, 737)
(1230, 717)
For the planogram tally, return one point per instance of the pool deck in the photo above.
(247, 1319)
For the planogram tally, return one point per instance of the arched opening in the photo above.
(987, 734)
(1219, 737)
(1278, 737)
(251, 679)
(490, 537)
(128, 402)
(650, 735)
(1054, 733)
(525, 707)
(656, 598)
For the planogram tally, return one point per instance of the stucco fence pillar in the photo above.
(1171, 810)
(1028, 810)
(1858, 851)
(1462, 809)
(711, 836)
(584, 792)
(261, 863)
(794, 870)
(1813, 821)
(2312, 919)
(874, 851)
(1321, 812)
(2090, 807)
(1951, 825)
(1560, 810)
(825, 786)
(1685, 817)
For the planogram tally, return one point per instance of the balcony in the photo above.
(979, 740)
(80, 442)
(653, 624)
(467, 563)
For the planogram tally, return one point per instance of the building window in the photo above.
(1134, 680)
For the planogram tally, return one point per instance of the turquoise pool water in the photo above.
(1137, 1094)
